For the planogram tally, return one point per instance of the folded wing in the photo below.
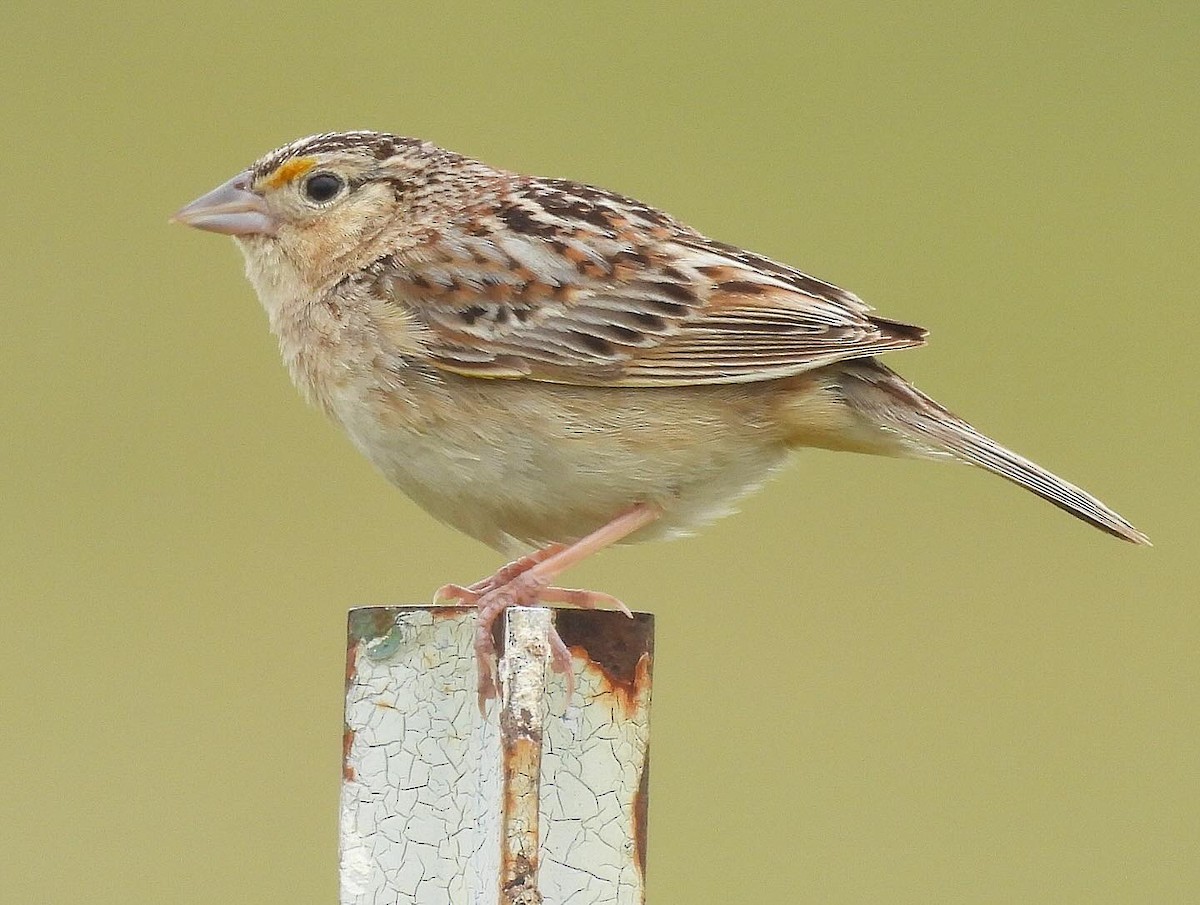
(566, 283)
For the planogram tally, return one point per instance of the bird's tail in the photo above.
(922, 427)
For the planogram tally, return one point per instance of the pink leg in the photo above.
(527, 582)
(470, 595)
(513, 569)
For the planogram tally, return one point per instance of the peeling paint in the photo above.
(424, 790)
(613, 641)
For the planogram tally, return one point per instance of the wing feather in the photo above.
(571, 284)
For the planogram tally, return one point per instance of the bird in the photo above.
(552, 368)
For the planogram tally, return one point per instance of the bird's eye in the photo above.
(322, 187)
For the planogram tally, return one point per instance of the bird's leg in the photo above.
(526, 584)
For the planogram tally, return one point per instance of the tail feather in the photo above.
(924, 427)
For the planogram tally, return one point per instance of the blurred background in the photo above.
(881, 681)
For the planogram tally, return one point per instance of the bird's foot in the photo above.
(493, 596)
(470, 595)
(526, 582)
(524, 590)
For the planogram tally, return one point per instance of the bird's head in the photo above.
(327, 205)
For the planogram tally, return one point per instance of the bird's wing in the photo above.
(565, 283)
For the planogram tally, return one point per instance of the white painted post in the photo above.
(537, 802)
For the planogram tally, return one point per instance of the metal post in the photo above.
(539, 801)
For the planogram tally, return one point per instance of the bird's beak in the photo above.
(231, 209)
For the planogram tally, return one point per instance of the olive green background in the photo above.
(881, 681)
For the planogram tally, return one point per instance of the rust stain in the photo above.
(347, 740)
(522, 889)
(641, 815)
(522, 762)
(521, 740)
(629, 696)
(613, 641)
(619, 648)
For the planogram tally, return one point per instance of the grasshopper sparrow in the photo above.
(546, 364)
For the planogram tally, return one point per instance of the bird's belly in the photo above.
(515, 464)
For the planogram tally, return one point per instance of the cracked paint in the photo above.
(423, 791)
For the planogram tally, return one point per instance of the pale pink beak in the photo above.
(231, 209)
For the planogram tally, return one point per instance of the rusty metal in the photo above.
(522, 671)
(440, 804)
(621, 651)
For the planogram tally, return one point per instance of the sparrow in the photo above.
(547, 365)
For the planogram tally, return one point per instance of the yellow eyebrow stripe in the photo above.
(289, 170)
